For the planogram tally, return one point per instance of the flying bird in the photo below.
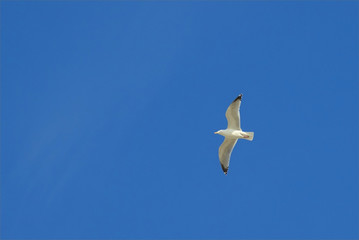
(232, 133)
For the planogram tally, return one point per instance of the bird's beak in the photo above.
(215, 132)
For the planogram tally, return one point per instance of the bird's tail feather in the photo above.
(251, 135)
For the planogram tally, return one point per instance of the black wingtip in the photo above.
(225, 170)
(238, 98)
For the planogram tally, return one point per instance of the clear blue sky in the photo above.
(108, 111)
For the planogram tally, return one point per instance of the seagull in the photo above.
(232, 133)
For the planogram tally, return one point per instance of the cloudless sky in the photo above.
(108, 110)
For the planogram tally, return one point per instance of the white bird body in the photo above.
(232, 133)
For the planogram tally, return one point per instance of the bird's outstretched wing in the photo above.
(232, 114)
(225, 151)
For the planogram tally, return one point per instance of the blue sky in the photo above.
(108, 111)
